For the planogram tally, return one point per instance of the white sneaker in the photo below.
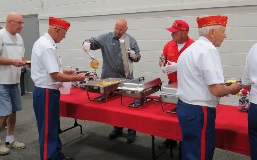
(15, 144)
(4, 150)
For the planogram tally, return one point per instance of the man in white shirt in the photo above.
(249, 82)
(11, 60)
(47, 74)
(200, 86)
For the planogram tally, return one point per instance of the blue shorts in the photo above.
(10, 99)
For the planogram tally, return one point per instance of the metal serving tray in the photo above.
(168, 96)
(140, 87)
(104, 85)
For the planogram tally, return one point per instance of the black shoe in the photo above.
(68, 158)
(131, 137)
(115, 134)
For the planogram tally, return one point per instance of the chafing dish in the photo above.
(103, 87)
(81, 85)
(139, 88)
(168, 96)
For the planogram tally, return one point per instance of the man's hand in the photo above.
(235, 88)
(80, 77)
(170, 68)
(86, 46)
(132, 54)
(18, 63)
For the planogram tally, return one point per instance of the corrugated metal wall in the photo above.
(147, 20)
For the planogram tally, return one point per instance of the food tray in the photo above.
(140, 87)
(168, 96)
(103, 85)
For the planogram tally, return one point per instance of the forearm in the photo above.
(6, 61)
(60, 77)
(221, 90)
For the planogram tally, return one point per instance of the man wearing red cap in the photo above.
(168, 61)
(47, 74)
(200, 86)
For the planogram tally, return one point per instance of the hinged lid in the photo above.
(139, 84)
(170, 89)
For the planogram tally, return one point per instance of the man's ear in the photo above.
(211, 32)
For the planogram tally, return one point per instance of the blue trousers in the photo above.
(46, 104)
(198, 131)
(252, 130)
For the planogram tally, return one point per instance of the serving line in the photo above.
(231, 132)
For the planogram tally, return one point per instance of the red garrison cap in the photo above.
(58, 22)
(212, 20)
(178, 25)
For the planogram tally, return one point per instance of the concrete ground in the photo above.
(93, 144)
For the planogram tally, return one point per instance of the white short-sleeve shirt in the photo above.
(198, 67)
(250, 73)
(45, 60)
(11, 47)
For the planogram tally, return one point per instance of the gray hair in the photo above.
(205, 30)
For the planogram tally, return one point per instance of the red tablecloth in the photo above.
(231, 125)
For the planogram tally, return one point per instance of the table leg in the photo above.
(74, 125)
(154, 156)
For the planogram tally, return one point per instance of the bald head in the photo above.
(14, 23)
(121, 22)
(120, 28)
(13, 16)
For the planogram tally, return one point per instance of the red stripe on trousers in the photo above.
(203, 138)
(46, 124)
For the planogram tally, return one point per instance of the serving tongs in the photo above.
(91, 56)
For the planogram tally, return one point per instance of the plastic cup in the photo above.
(65, 88)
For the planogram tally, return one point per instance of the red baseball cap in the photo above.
(178, 25)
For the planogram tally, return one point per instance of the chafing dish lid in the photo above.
(170, 89)
(139, 84)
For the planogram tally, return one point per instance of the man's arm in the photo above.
(61, 77)
(221, 90)
(14, 62)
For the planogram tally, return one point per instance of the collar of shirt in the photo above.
(50, 39)
(203, 38)
(114, 37)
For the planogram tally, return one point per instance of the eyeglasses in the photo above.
(18, 22)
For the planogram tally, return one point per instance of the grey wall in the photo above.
(29, 33)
